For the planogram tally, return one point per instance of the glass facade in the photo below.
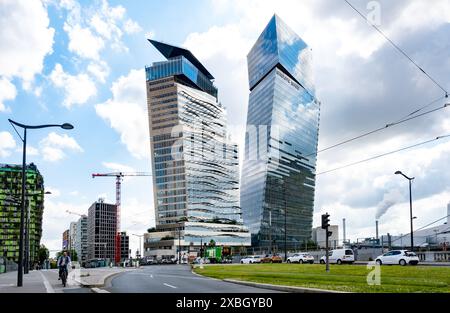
(278, 177)
(196, 170)
(10, 195)
(181, 66)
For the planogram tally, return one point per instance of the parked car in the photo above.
(200, 260)
(301, 258)
(339, 256)
(251, 259)
(271, 258)
(401, 257)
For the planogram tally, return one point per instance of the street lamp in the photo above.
(410, 206)
(66, 126)
(140, 251)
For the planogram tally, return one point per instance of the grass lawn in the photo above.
(351, 278)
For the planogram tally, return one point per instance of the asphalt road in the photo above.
(173, 279)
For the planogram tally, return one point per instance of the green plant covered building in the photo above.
(10, 197)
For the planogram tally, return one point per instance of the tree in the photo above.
(151, 230)
(43, 254)
(72, 253)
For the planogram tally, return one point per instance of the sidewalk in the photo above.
(33, 282)
(46, 281)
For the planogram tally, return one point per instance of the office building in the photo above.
(278, 175)
(65, 239)
(102, 230)
(10, 208)
(196, 178)
(124, 246)
(81, 242)
(72, 235)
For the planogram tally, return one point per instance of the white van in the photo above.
(339, 256)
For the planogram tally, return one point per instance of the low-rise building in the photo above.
(319, 237)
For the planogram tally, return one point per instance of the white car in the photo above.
(339, 256)
(251, 259)
(301, 258)
(401, 257)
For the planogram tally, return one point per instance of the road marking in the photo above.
(47, 285)
(98, 290)
(170, 286)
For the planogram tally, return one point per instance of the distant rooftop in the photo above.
(170, 51)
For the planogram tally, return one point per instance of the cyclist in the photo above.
(63, 263)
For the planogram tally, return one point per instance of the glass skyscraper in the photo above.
(195, 166)
(278, 176)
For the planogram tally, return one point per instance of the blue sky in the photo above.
(82, 62)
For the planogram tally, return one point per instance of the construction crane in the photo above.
(75, 213)
(119, 176)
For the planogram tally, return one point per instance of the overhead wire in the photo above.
(397, 48)
(382, 155)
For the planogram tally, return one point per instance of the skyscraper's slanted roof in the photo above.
(170, 51)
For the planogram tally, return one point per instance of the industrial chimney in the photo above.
(376, 229)
(343, 225)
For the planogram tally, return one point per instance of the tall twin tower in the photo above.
(196, 170)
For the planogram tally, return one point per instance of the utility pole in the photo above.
(285, 221)
(326, 225)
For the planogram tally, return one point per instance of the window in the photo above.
(348, 252)
(396, 252)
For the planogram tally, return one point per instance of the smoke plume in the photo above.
(389, 199)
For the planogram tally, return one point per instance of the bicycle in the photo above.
(63, 276)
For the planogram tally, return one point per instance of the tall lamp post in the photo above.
(22, 209)
(140, 245)
(410, 206)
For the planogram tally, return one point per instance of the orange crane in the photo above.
(119, 176)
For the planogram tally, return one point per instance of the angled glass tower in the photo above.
(195, 166)
(278, 176)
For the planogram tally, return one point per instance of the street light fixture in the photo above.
(410, 206)
(66, 126)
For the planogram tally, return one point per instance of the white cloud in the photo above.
(7, 144)
(83, 42)
(53, 146)
(26, 38)
(117, 167)
(132, 27)
(78, 88)
(94, 28)
(126, 112)
(100, 70)
(7, 92)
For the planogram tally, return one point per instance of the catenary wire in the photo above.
(382, 155)
(398, 48)
(403, 120)
(423, 227)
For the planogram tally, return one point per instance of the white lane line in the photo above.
(98, 290)
(47, 285)
(170, 286)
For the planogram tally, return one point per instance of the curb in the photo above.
(282, 287)
(102, 284)
(273, 287)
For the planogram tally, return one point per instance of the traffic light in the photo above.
(325, 221)
(329, 233)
